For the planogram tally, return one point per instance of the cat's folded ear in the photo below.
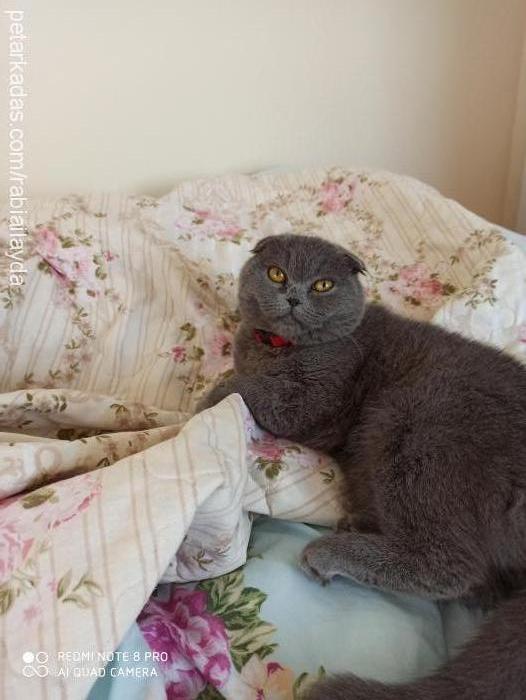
(261, 244)
(355, 264)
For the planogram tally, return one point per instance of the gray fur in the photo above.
(430, 429)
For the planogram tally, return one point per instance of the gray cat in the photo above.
(430, 430)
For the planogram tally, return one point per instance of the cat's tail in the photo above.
(492, 666)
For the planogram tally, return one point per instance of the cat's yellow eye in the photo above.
(276, 274)
(323, 285)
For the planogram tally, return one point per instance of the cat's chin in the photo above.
(289, 325)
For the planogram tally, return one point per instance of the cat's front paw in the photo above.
(319, 560)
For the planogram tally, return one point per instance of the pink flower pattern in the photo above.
(47, 242)
(267, 448)
(31, 612)
(209, 224)
(72, 497)
(195, 641)
(417, 285)
(418, 280)
(21, 523)
(335, 196)
(73, 265)
(69, 265)
(218, 353)
(178, 353)
(221, 345)
(14, 546)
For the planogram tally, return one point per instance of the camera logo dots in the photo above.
(35, 664)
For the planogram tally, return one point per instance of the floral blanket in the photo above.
(126, 316)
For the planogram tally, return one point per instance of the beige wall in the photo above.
(516, 190)
(133, 95)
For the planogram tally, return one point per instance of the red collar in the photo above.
(266, 338)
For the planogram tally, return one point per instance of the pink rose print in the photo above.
(70, 265)
(267, 448)
(335, 196)
(47, 242)
(23, 518)
(417, 280)
(209, 224)
(14, 546)
(218, 353)
(218, 226)
(231, 231)
(272, 455)
(72, 497)
(178, 353)
(416, 285)
(221, 345)
(522, 333)
(183, 681)
(195, 641)
(31, 612)
(71, 261)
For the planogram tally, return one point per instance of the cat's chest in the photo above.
(260, 359)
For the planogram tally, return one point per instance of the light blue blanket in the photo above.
(339, 627)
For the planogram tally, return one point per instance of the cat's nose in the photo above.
(293, 301)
